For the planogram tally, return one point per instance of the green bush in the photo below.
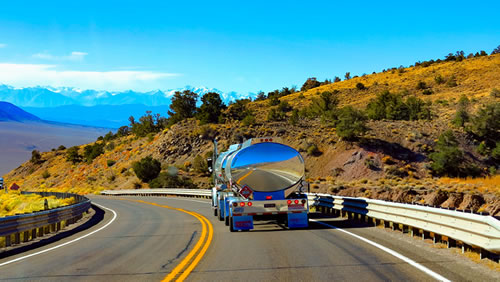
(452, 82)
(45, 174)
(147, 169)
(90, 152)
(439, 79)
(421, 85)
(495, 93)
(462, 114)
(313, 150)
(168, 180)
(391, 106)
(360, 86)
(486, 124)
(294, 118)
(73, 156)
(351, 124)
(495, 153)
(211, 109)
(110, 163)
(275, 115)
(310, 84)
(61, 147)
(447, 157)
(248, 120)
(427, 92)
(36, 157)
(273, 101)
(200, 164)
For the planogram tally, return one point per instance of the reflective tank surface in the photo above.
(265, 167)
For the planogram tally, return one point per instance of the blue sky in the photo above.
(242, 46)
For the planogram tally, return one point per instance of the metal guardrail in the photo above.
(475, 230)
(33, 225)
(196, 193)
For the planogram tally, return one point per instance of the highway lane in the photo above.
(146, 242)
(143, 244)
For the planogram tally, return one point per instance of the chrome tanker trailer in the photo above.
(260, 179)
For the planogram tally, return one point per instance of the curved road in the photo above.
(146, 242)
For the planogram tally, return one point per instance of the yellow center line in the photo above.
(184, 264)
(244, 176)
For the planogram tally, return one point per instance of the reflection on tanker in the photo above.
(265, 167)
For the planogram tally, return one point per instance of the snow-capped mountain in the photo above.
(43, 97)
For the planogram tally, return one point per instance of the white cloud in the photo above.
(24, 75)
(73, 56)
(2, 45)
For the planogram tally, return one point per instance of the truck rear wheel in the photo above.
(227, 221)
(220, 215)
(215, 212)
(231, 228)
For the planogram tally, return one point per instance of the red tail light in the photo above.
(235, 204)
(269, 197)
(242, 204)
(249, 204)
(296, 201)
(303, 202)
(271, 140)
(289, 202)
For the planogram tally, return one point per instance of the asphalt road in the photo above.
(146, 242)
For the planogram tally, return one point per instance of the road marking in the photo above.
(389, 251)
(188, 263)
(203, 202)
(67, 243)
(244, 176)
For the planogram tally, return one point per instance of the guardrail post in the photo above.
(436, 238)
(58, 226)
(450, 243)
(8, 242)
(33, 233)
(25, 236)
(425, 234)
(17, 238)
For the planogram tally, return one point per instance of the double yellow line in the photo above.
(184, 268)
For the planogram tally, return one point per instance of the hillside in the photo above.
(9, 112)
(391, 161)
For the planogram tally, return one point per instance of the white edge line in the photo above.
(389, 251)
(67, 243)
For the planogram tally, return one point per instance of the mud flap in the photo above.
(243, 222)
(298, 220)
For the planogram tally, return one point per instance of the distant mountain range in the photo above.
(42, 97)
(97, 108)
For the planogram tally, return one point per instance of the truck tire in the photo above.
(226, 221)
(220, 215)
(231, 228)
(215, 212)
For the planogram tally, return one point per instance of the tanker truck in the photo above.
(260, 179)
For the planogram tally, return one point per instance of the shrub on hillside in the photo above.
(248, 120)
(275, 115)
(452, 81)
(61, 147)
(324, 106)
(486, 124)
(73, 156)
(421, 85)
(45, 174)
(439, 79)
(273, 101)
(351, 124)
(391, 106)
(36, 157)
(447, 157)
(168, 180)
(200, 164)
(90, 152)
(147, 169)
(313, 150)
(462, 113)
(294, 118)
(310, 84)
(495, 93)
(238, 110)
(360, 86)
(110, 163)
